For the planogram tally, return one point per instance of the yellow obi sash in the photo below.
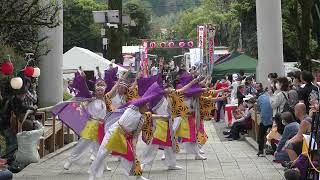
(183, 129)
(90, 131)
(117, 142)
(161, 130)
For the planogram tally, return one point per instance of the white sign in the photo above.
(195, 57)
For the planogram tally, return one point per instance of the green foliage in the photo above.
(16, 59)
(79, 28)
(141, 17)
(21, 20)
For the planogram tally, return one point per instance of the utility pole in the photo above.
(115, 35)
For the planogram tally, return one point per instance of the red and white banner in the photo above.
(211, 45)
(144, 59)
(201, 36)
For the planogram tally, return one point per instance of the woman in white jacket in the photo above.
(278, 100)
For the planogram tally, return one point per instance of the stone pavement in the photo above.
(234, 160)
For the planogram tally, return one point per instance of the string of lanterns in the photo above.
(16, 82)
(172, 44)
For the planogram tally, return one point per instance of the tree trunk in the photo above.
(304, 43)
(114, 50)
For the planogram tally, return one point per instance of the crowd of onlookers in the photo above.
(19, 131)
(286, 107)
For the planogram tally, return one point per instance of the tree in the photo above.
(79, 28)
(305, 30)
(20, 21)
(141, 17)
(114, 50)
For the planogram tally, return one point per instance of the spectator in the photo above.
(28, 141)
(306, 92)
(229, 78)
(292, 174)
(259, 88)
(265, 109)
(297, 80)
(244, 123)
(275, 134)
(242, 76)
(250, 87)
(317, 74)
(279, 100)
(292, 96)
(294, 147)
(223, 84)
(235, 83)
(5, 174)
(31, 95)
(240, 94)
(290, 130)
(271, 78)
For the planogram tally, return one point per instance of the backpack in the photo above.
(287, 107)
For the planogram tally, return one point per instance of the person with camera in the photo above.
(5, 174)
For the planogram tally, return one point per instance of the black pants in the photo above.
(262, 133)
(220, 105)
(236, 128)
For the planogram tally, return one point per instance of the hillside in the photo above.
(164, 7)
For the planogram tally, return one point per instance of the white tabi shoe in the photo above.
(163, 157)
(92, 157)
(141, 178)
(106, 168)
(201, 151)
(200, 157)
(174, 168)
(67, 165)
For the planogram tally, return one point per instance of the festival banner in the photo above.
(211, 45)
(201, 36)
(201, 39)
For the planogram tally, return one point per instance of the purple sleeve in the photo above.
(79, 83)
(110, 76)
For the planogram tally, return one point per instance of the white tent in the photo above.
(88, 60)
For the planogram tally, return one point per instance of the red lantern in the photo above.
(163, 44)
(153, 45)
(171, 44)
(28, 71)
(182, 44)
(7, 68)
(190, 44)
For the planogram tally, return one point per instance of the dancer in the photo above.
(89, 135)
(121, 138)
(163, 134)
(188, 119)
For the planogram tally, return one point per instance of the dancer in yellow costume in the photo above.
(121, 138)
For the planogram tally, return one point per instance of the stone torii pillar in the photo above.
(50, 80)
(270, 43)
